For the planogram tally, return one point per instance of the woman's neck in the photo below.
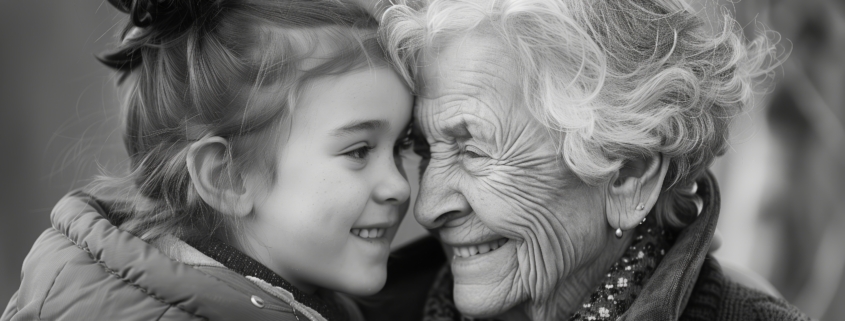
(574, 290)
(517, 313)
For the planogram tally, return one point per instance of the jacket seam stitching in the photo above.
(133, 284)
(285, 307)
(163, 313)
(46, 295)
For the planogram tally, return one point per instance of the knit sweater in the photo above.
(717, 298)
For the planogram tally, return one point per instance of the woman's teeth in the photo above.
(467, 251)
(368, 233)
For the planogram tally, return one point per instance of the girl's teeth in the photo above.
(467, 251)
(368, 233)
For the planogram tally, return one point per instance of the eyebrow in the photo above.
(458, 129)
(361, 125)
(462, 129)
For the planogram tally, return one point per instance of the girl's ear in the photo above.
(217, 182)
(634, 190)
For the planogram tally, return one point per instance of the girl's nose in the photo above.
(393, 187)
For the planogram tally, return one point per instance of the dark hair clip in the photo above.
(142, 12)
(168, 17)
(122, 60)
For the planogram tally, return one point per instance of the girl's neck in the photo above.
(249, 248)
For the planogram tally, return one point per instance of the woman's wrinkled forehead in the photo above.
(478, 64)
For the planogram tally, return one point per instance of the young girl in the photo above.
(263, 138)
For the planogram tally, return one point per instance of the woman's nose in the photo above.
(393, 188)
(439, 202)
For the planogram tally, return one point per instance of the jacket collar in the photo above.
(241, 263)
(666, 294)
(155, 267)
(80, 218)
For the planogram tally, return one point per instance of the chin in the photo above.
(364, 284)
(477, 305)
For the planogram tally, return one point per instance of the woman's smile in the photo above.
(467, 251)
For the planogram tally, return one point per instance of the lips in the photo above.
(368, 233)
(476, 249)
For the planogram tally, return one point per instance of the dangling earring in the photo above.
(643, 221)
(618, 233)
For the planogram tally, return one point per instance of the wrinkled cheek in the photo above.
(539, 253)
(541, 263)
(538, 259)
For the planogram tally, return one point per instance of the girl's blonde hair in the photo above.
(192, 69)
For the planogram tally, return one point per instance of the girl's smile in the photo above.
(339, 191)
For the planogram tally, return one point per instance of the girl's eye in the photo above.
(360, 153)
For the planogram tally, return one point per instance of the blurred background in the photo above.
(783, 182)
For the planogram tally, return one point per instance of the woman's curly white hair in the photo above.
(614, 79)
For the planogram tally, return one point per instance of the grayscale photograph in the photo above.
(422, 160)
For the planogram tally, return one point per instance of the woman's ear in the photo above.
(634, 190)
(215, 179)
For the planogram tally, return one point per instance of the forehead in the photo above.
(476, 65)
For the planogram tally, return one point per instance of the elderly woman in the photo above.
(566, 146)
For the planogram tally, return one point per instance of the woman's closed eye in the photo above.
(419, 143)
(474, 152)
(406, 143)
